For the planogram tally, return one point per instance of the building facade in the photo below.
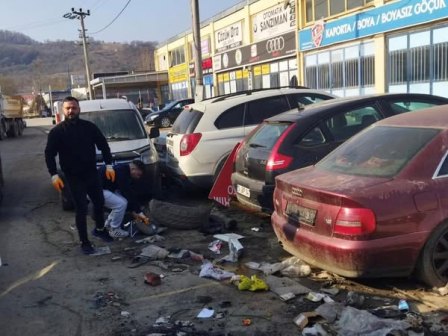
(346, 47)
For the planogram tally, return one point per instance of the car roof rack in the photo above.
(249, 92)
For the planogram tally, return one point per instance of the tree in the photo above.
(8, 86)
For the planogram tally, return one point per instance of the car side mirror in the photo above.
(154, 132)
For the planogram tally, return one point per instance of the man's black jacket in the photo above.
(124, 184)
(75, 143)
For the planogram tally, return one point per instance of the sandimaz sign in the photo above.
(385, 18)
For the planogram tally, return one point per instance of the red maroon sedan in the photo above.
(376, 206)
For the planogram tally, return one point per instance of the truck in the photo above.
(11, 116)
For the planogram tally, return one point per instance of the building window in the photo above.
(177, 56)
(417, 62)
(320, 9)
(345, 71)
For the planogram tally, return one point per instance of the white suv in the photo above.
(205, 133)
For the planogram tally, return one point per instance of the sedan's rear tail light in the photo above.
(355, 221)
(276, 160)
(189, 142)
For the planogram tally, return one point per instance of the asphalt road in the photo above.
(47, 287)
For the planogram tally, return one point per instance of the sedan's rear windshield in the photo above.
(380, 151)
(267, 135)
(117, 125)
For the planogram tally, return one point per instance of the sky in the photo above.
(140, 20)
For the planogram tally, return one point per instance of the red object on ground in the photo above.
(222, 188)
(152, 279)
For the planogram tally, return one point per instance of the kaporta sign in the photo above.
(389, 17)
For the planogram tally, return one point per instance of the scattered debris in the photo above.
(246, 322)
(252, 284)
(125, 313)
(354, 299)
(206, 313)
(285, 288)
(303, 319)
(443, 290)
(154, 252)
(152, 279)
(101, 251)
(235, 247)
(210, 271)
(215, 246)
(151, 239)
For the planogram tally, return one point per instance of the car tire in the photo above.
(165, 122)
(176, 216)
(430, 269)
(2, 131)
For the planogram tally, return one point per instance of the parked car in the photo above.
(294, 139)
(123, 127)
(166, 116)
(204, 134)
(377, 206)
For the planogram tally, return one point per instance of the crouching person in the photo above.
(121, 195)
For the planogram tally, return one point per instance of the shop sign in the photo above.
(274, 21)
(275, 47)
(389, 17)
(178, 73)
(229, 37)
(207, 67)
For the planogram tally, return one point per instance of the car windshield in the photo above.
(380, 151)
(117, 125)
(267, 135)
(169, 105)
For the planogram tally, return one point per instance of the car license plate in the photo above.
(301, 214)
(243, 190)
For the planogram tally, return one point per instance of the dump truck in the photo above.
(11, 116)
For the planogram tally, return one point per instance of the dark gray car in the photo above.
(293, 139)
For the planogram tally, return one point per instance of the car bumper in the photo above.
(260, 198)
(391, 256)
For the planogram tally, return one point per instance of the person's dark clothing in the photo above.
(75, 142)
(124, 184)
(80, 186)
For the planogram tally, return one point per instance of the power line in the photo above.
(112, 20)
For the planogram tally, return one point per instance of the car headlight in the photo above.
(149, 155)
(153, 117)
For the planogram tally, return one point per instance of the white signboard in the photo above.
(229, 37)
(274, 21)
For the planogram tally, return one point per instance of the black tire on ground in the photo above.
(2, 131)
(178, 216)
(19, 127)
(165, 122)
(13, 130)
(432, 267)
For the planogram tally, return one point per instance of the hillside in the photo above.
(26, 64)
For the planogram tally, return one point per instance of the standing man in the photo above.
(121, 195)
(74, 140)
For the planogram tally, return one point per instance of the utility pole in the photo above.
(199, 89)
(81, 15)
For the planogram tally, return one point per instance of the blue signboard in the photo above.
(389, 17)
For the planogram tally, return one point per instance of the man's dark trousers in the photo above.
(80, 187)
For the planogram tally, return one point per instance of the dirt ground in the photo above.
(47, 287)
